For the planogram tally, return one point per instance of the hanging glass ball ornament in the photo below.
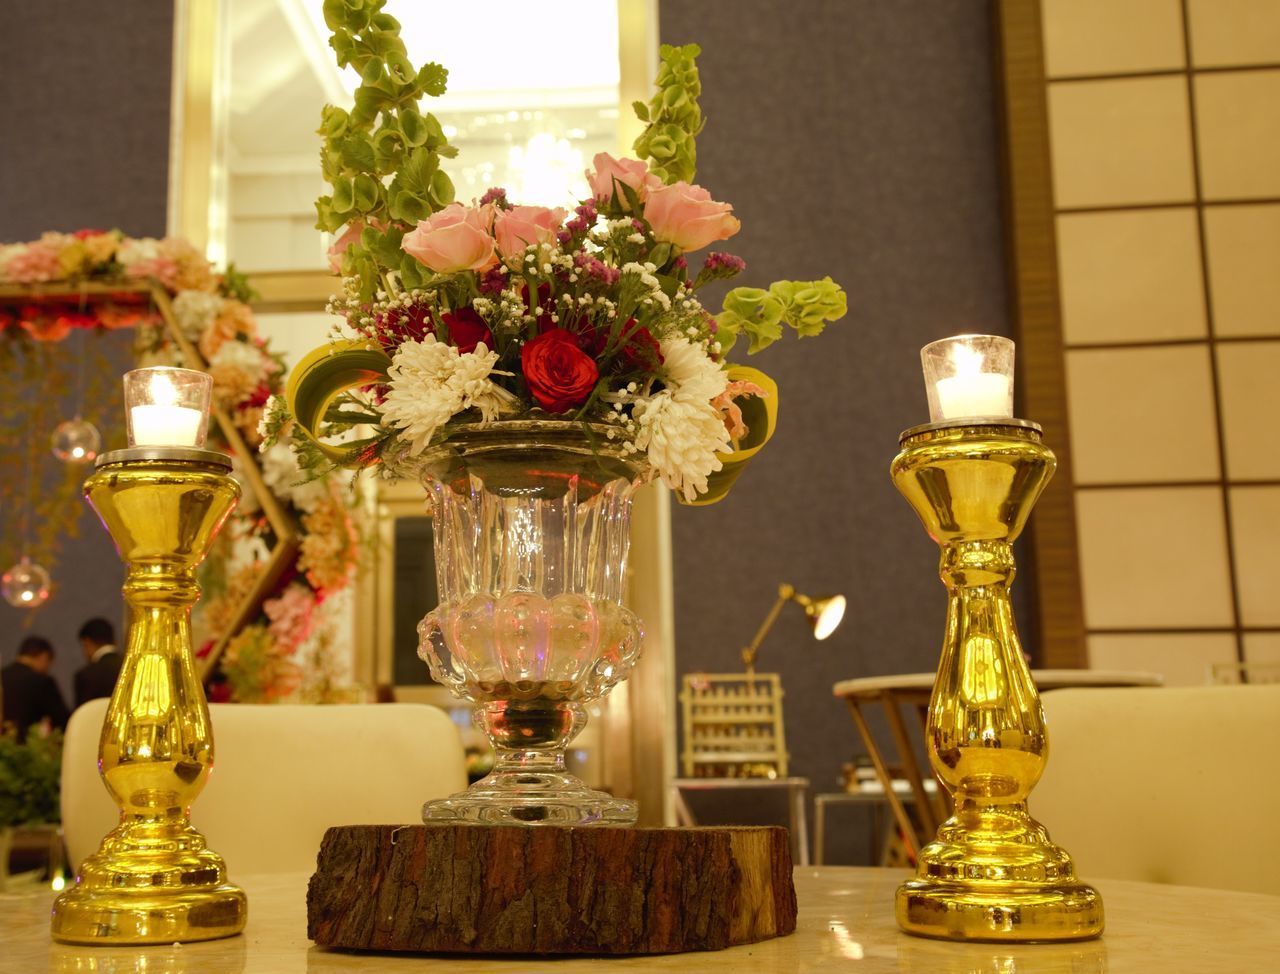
(76, 441)
(25, 585)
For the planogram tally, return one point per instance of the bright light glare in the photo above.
(829, 618)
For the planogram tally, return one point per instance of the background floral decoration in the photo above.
(65, 286)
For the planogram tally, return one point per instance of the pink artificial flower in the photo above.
(339, 246)
(686, 216)
(628, 172)
(35, 262)
(522, 226)
(455, 239)
(291, 617)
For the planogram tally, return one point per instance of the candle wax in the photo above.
(975, 394)
(165, 425)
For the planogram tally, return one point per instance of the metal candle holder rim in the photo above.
(172, 454)
(968, 421)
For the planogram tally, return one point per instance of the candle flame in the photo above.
(966, 359)
(163, 391)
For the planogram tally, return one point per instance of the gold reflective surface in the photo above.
(153, 880)
(992, 873)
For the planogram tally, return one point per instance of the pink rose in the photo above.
(687, 216)
(521, 226)
(349, 236)
(628, 172)
(455, 239)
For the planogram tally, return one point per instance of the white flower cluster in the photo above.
(678, 428)
(285, 478)
(195, 311)
(431, 382)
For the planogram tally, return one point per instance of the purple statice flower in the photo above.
(587, 212)
(497, 196)
(722, 264)
(595, 268)
(680, 263)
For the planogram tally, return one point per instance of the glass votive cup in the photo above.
(167, 407)
(969, 377)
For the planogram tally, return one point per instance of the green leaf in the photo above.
(641, 110)
(413, 128)
(322, 376)
(441, 189)
(356, 152)
(433, 79)
(343, 196)
(367, 191)
(760, 414)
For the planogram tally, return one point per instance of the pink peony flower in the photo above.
(628, 172)
(455, 239)
(687, 216)
(521, 226)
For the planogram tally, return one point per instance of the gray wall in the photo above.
(84, 119)
(855, 138)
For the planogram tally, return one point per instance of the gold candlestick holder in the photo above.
(153, 880)
(992, 872)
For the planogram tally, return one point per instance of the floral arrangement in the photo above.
(458, 313)
(30, 777)
(211, 311)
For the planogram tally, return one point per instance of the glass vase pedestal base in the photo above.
(531, 798)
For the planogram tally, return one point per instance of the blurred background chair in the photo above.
(1179, 785)
(282, 775)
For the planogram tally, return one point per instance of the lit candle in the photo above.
(969, 377)
(167, 407)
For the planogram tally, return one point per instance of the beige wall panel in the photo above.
(1153, 558)
(1112, 36)
(1183, 659)
(1244, 268)
(1255, 520)
(1249, 387)
(1163, 395)
(1234, 31)
(1262, 647)
(1120, 142)
(1238, 123)
(1130, 276)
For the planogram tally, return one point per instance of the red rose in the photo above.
(559, 374)
(467, 330)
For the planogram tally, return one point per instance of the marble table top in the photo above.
(846, 924)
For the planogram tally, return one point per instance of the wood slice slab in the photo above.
(500, 889)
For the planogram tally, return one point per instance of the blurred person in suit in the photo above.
(31, 695)
(97, 678)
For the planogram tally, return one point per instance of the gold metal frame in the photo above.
(283, 525)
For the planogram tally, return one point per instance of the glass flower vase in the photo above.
(531, 530)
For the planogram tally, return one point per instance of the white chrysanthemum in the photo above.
(195, 311)
(237, 369)
(681, 436)
(285, 478)
(689, 371)
(430, 383)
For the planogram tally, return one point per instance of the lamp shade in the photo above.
(825, 614)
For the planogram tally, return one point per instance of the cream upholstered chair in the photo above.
(1178, 785)
(283, 774)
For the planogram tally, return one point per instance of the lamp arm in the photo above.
(749, 654)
